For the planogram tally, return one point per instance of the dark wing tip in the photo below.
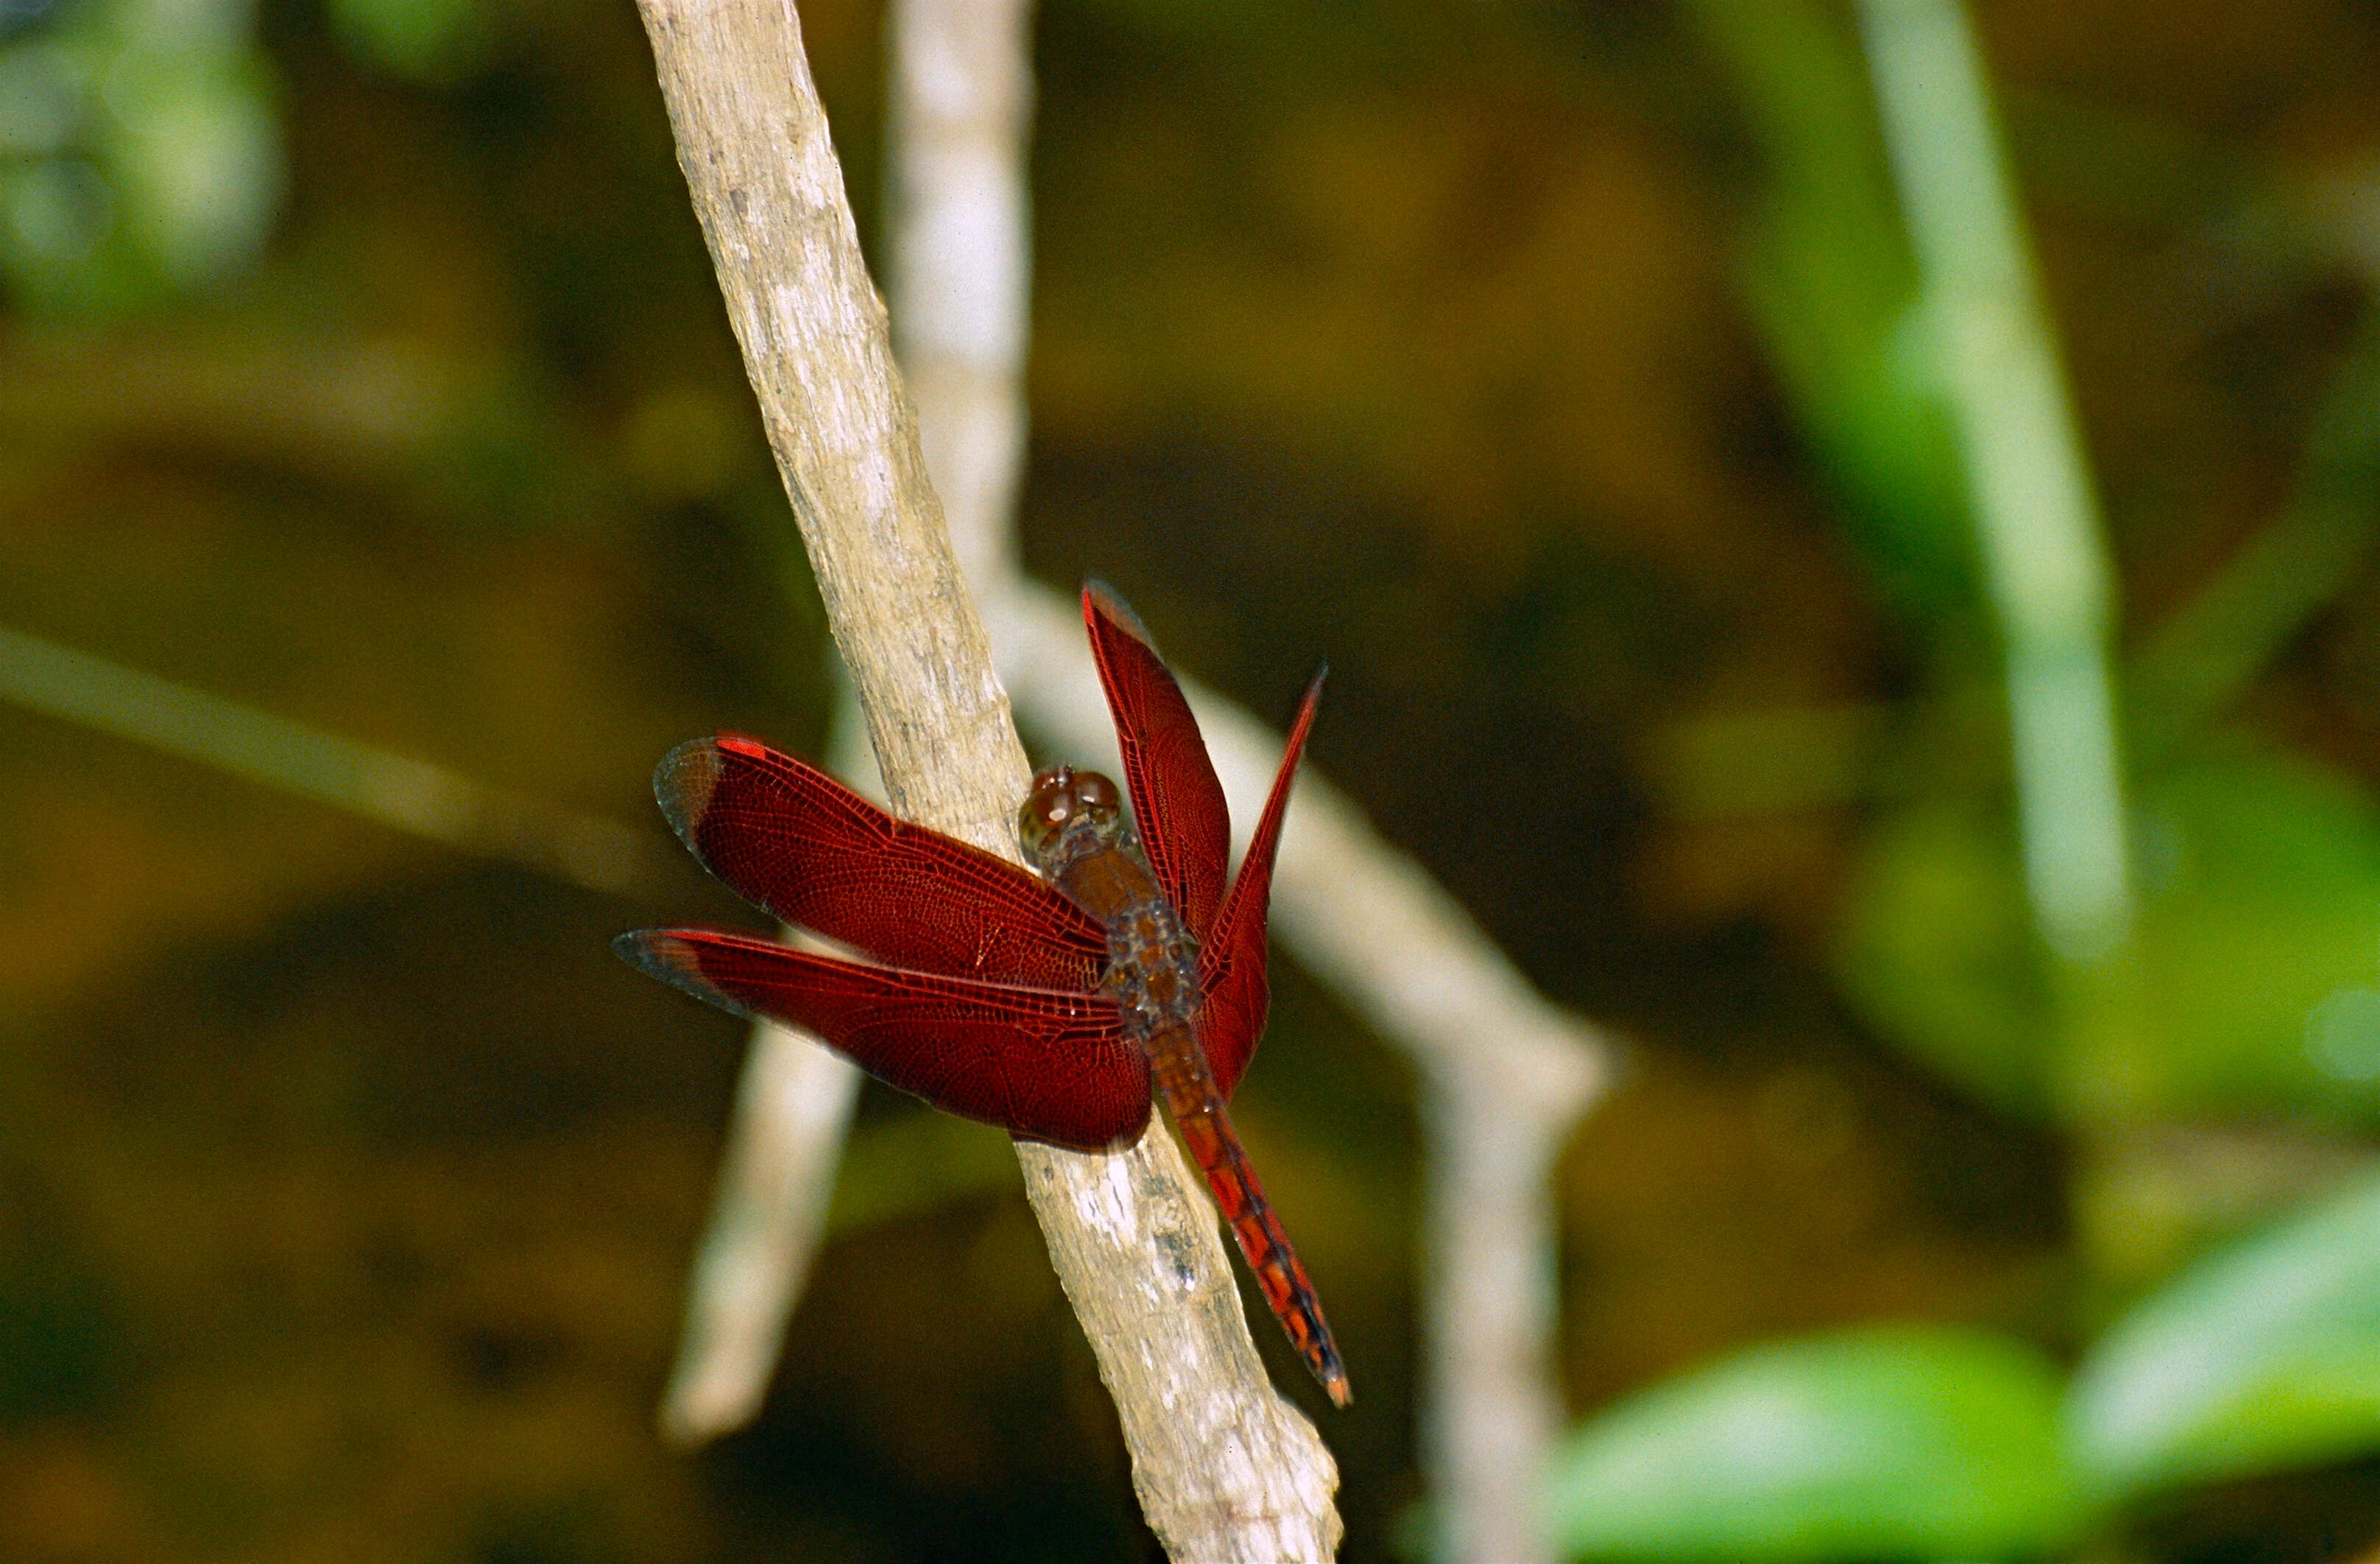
(666, 954)
(1101, 601)
(658, 953)
(683, 781)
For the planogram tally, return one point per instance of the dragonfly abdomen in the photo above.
(1178, 1067)
(1153, 976)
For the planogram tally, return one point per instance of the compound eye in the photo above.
(1097, 796)
(1047, 807)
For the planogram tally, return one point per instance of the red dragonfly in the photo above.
(1050, 1007)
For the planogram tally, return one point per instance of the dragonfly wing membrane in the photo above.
(1185, 827)
(1044, 1064)
(790, 839)
(1232, 962)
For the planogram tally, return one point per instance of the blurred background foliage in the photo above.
(1555, 370)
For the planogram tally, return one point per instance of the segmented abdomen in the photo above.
(1153, 976)
(1179, 1067)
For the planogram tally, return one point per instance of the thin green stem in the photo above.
(2043, 552)
(406, 794)
(2208, 652)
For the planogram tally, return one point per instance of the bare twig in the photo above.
(958, 110)
(793, 1108)
(960, 105)
(1224, 1468)
(1509, 1073)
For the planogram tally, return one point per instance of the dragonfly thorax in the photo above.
(1072, 828)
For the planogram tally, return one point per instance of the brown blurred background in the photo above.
(347, 1184)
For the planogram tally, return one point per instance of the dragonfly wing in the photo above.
(1185, 827)
(1232, 962)
(792, 840)
(1042, 1063)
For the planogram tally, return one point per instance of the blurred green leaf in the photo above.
(193, 147)
(1935, 952)
(1827, 279)
(41, 103)
(2147, 1200)
(2213, 645)
(2254, 966)
(2259, 926)
(2264, 1355)
(1902, 1442)
(149, 152)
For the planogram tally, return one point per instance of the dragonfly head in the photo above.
(1068, 813)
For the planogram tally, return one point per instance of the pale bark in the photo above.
(1506, 1073)
(958, 114)
(1224, 1468)
(793, 1105)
